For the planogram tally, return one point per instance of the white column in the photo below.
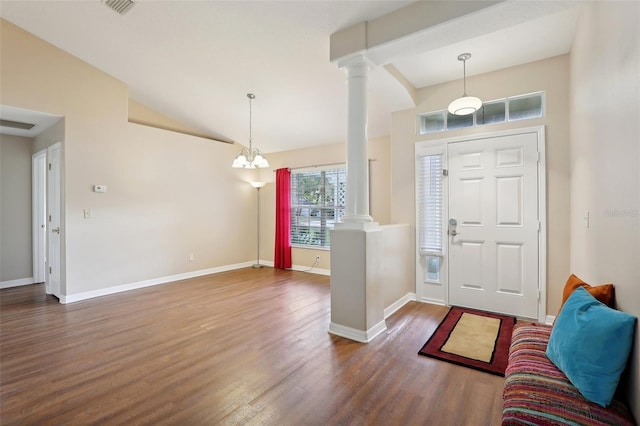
(357, 197)
(357, 308)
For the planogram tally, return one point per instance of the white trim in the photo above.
(506, 101)
(433, 144)
(358, 335)
(550, 319)
(542, 217)
(38, 211)
(171, 278)
(55, 252)
(16, 283)
(421, 144)
(148, 283)
(300, 268)
(319, 168)
(391, 309)
(268, 263)
(438, 296)
(433, 301)
(317, 271)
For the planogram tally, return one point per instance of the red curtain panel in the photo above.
(282, 255)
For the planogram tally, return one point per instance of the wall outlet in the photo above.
(317, 258)
(88, 213)
(191, 257)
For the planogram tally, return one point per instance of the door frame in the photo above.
(439, 292)
(39, 214)
(54, 197)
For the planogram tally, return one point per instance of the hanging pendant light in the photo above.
(250, 158)
(464, 105)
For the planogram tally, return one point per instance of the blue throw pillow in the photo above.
(590, 343)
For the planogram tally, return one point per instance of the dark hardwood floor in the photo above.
(241, 347)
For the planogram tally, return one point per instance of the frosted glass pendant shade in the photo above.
(465, 105)
(240, 161)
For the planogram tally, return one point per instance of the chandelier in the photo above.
(250, 158)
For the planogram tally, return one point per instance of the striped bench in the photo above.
(536, 392)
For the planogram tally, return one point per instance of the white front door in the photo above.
(54, 213)
(493, 224)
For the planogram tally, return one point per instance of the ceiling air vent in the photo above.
(16, 124)
(120, 6)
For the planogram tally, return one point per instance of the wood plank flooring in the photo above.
(241, 347)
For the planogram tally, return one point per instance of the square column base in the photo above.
(357, 304)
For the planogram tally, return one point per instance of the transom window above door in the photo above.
(513, 108)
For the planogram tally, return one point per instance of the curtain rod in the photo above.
(322, 165)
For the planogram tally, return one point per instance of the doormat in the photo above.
(474, 339)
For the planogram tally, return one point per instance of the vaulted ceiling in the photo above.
(195, 61)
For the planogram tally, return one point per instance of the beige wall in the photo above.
(168, 194)
(50, 136)
(398, 263)
(15, 208)
(328, 154)
(142, 114)
(605, 158)
(550, 75)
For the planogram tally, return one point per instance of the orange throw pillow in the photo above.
(604, 293)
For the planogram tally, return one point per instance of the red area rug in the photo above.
(474, 339)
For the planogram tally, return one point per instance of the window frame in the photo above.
(338, 209)
(426, 149)
(507, 118)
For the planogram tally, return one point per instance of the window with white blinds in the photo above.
(317, 203)
(430, 204)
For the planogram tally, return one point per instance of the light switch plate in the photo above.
(99, 188)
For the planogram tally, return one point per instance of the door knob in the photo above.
(452, 227)
(56, 230)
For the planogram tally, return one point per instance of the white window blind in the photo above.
(430, 204)
(317, 203)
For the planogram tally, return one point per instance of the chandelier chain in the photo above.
(251, 97)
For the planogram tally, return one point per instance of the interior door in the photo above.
(54, 213)
(39, 209)
(494, 224)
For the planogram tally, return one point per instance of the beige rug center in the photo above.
(474, 337)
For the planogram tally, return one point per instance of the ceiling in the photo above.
(41, 121)
(195, 61)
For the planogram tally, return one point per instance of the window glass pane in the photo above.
(528, 107)
(430, 203)
(459, 121)
(432, 123)
(491, 113)
(433, 268)
(317, 203)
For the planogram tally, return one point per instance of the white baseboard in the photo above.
(148, 283)
(300, 268)
(391, 309)
(358, 335)
(550, 319)
(16, 283)
(433, 301)
(318, 271)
